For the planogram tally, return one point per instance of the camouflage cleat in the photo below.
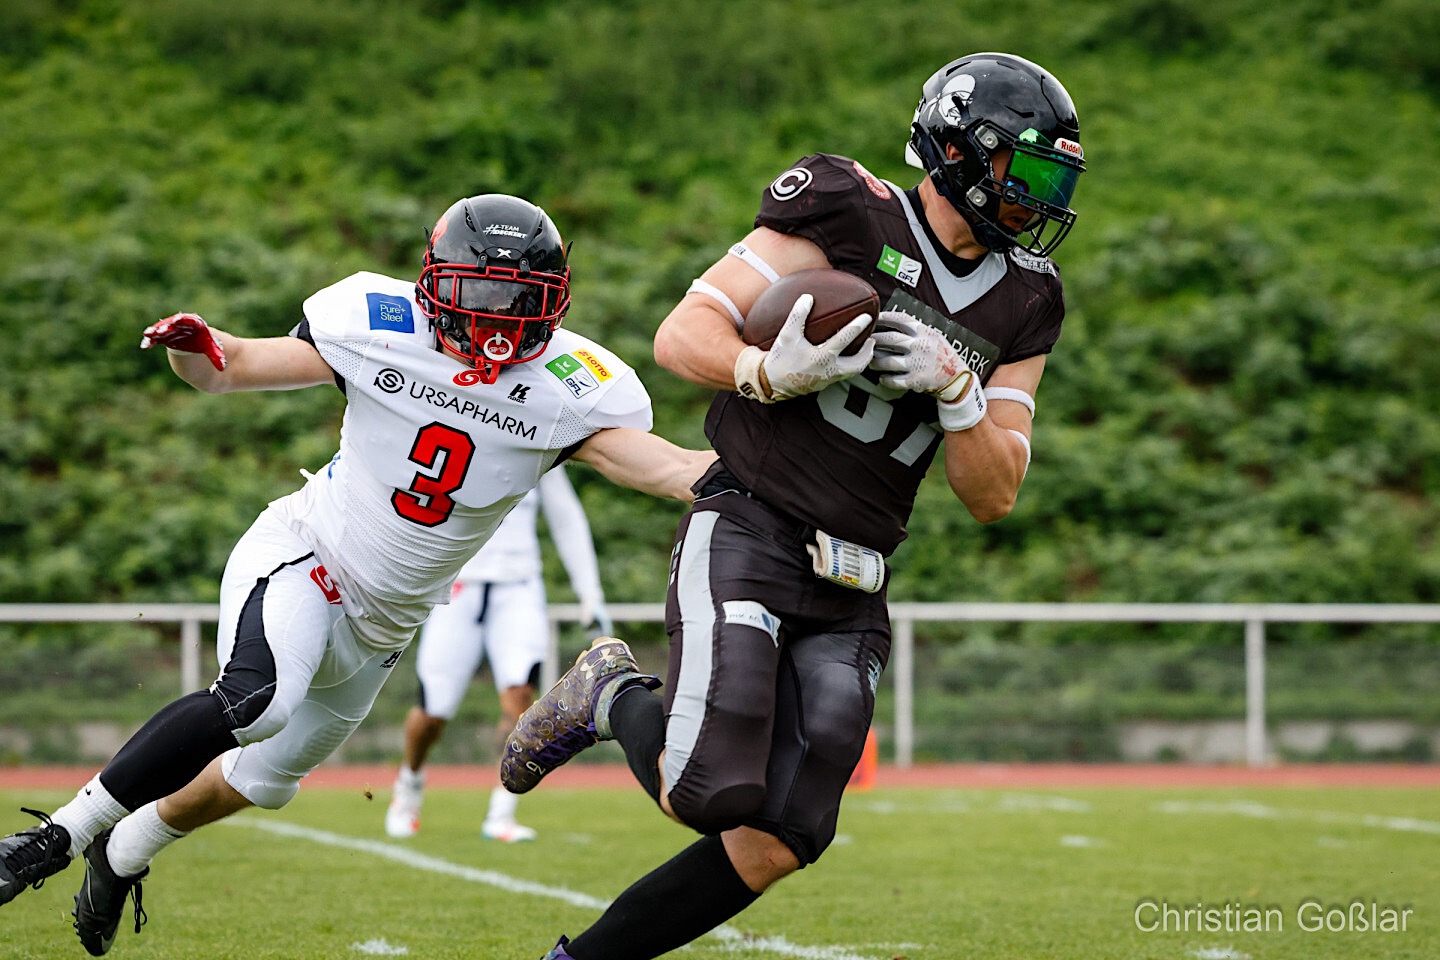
(100, 904)
(27, 858)
(573, 715)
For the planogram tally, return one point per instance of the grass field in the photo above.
(924, 874)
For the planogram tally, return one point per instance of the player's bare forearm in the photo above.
(985, 466)
(267, 363)
(197, 370)
(642, 461)
(698, 343)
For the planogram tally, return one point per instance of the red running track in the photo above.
(961, 776)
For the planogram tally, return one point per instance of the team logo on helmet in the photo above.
(504, 230)
(957, 93)
(790, 183)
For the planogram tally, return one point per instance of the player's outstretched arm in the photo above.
(642, 461)
(214, 361)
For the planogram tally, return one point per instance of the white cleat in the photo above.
(507, 832)
(402, 819)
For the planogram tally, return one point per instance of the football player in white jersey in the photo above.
(462, 391)
(496, 613)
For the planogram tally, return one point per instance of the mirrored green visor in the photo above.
(1045, 173)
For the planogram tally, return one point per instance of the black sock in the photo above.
(169, 751)
(689, 895)
(637, 718)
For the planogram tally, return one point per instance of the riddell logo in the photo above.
(1070, 147)
(321, 576)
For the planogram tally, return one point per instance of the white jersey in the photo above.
(513, 553)
(431, 458)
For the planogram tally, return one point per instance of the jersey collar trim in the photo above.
(958, 292)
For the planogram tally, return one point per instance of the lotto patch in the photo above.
(580, 372)
(390, 313)
(602, 372)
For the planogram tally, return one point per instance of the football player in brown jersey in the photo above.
(776, 606)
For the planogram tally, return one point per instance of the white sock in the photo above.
(138, 838)
(414, 779)
(92, 810)
(502, 806)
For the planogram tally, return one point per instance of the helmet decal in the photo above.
(504, 230)
(957, 93)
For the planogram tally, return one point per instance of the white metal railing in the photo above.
(903, 616)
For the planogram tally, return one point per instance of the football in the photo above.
(839, 298)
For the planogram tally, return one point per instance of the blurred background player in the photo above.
(497, 613)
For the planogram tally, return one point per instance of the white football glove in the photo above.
(912, 355)
(793, 365)
(595, 619)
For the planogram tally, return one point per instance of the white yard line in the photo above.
(733, 939)
(1260, 811)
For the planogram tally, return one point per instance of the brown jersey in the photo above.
(850, 458)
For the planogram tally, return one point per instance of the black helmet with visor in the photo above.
(985, 104)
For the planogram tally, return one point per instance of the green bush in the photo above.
(1241, 406)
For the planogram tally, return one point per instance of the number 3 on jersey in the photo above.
(444, 455)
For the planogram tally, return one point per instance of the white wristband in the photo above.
(965, 411)
(747, 375)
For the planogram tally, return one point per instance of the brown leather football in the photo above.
(839, 298)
